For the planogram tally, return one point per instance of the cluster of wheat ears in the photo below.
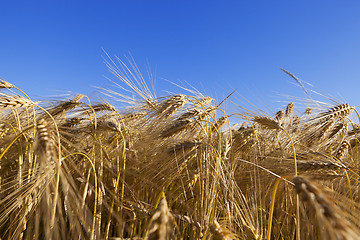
(174, 168)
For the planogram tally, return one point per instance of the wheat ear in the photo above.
(219, 232)
(289, 110)
(5, 84)
(329, 216)
(14, 101)
(339, 111)
(160, 223)
(45, 143)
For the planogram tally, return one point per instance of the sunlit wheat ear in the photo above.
(339, 111)
(267, 122)
(103, 107)
(219, 232)
(318, 131)
(241, 138)
(279, 116)
(100, 107)
(308, 111)
(14, 101)
(160, 226)
(205, 101)
(289, 110)
(190, 114)
(296, 121)
(196, 113)
(150, 104)
(134, 115)
(45, 144)
(338, 128)
(171, 105)
(343, 149)
(109, 123)
(329, 217)
(325, 129)
(5, 84)
(66, 106)
(173, 108)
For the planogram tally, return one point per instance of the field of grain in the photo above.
(175, 167)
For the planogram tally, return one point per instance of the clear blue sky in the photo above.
(49, 47)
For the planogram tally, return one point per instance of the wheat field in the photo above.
(175, 167)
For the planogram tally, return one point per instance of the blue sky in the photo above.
(50, 47)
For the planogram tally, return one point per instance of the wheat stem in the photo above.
(272, 207)
(95, 192)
